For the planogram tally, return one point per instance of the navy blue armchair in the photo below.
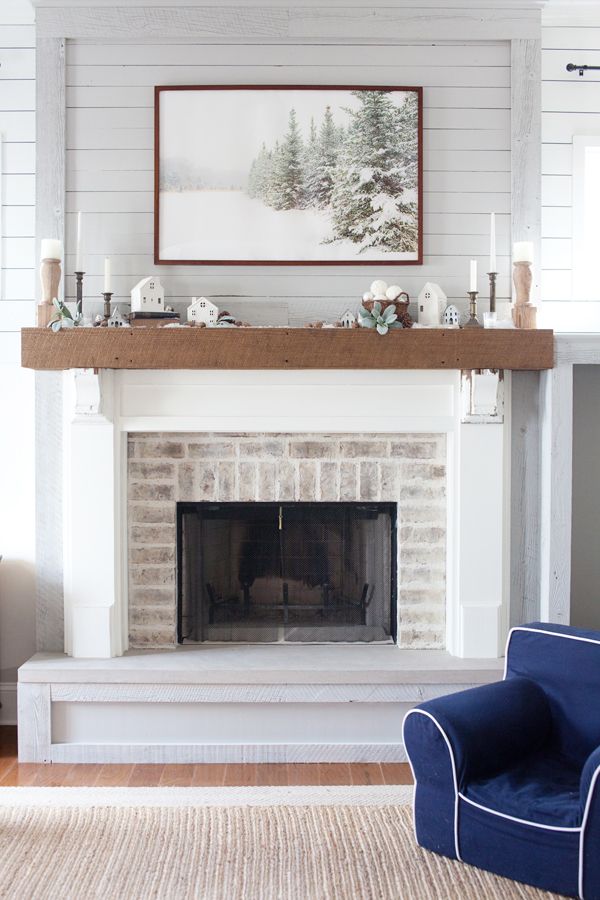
(507, 775)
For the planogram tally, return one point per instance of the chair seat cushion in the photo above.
(542, 788)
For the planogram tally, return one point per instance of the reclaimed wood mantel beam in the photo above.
(286, 348)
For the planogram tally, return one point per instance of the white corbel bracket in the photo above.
(482, 396)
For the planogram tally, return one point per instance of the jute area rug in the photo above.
(295, 844)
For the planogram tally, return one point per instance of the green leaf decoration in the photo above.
(382, 328)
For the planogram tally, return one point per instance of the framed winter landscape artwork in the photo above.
(278, 175)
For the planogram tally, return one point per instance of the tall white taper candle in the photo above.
(473, 283)
(78, 247)
(493, 242)
(107, 275)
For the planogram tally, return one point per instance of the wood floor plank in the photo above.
(22, 775)
(115, 775)
(303, 773)
(366, 773)
(82, 775)
(240, 775)
(146, 775)
(208, 775)
(51, 774)
(271, 774)
(177, 775)
(396, 773)
(334, 773)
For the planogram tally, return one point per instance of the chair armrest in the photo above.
(492, 726)
(590, 776)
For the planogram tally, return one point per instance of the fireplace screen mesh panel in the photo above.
(265, 572)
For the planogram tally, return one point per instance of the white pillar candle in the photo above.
(473, 286)
(51, 249)
(493, 242)
(523, 251)
(78, 266)
(107, 275)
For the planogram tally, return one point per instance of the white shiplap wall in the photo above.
(17, 129)
(110, 164)
(570, 106)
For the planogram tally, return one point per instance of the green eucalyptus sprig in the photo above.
(382, 321)
(62, 318)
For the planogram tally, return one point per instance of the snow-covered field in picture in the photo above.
(278, 174)
(225, 224)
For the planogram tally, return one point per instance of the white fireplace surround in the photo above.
(100, 410)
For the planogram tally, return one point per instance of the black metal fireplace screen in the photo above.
(265, 572)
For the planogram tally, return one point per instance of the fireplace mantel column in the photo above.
(92, 569)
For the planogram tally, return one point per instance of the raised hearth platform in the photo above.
(202, 704)
(286, 348)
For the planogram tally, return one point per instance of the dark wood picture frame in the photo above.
(159, 89)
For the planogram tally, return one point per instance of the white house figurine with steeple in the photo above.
(148, 296)
(202, 310)
(432, 303)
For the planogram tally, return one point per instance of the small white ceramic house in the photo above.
(451, 316)
(202, 310)
(116, 320)
(148, 295)
(348, 320)
(432, 303)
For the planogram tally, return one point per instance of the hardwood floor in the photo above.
(234, 774)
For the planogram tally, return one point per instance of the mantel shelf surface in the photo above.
(286, 348)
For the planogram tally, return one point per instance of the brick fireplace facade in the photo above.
(166, 468)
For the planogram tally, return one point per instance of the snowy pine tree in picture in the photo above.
(288, 175)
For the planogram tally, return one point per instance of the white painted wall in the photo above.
(17, 128)
(110, 163)
(570, 106)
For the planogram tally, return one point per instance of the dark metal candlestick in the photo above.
(492, 276)
(473, 320)
(107, 312)
(79, 304)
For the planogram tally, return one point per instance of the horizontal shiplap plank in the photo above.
(19, 159)
(375, 73)
(556, 222)
(18, 221)
(16, 63)
(80, 120)
(18, 253)
(16, 314)
(143, 160)
(554, 65)
(448, 97)
(17, 95)
(17, 126)
(559, 127)
(565, 38)
(557, 159)
(576, 96)
(556, 285)
(557, 253)
(19, 36)
(143, 202)
(143, 138)
(440, 55)
(18, 284)
(18, 190)
(557, 190)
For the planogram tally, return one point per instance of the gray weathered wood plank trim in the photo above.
(49, 223)
(556, 474)
(34, 735)
(287, 25)
(525, 499)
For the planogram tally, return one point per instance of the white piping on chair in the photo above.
(557, 634)
(423, 712)
(586, 811)
(495, 812)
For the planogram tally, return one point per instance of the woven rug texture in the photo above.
(231, 853)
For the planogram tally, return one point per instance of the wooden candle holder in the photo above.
(524, 312)
(50, 277)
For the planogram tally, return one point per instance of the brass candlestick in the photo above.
(107, 311)
(473, 320)
(492, 276)
(79, 301)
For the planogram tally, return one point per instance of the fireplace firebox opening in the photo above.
(295, 572)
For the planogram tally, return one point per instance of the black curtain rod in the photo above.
(571, 67)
